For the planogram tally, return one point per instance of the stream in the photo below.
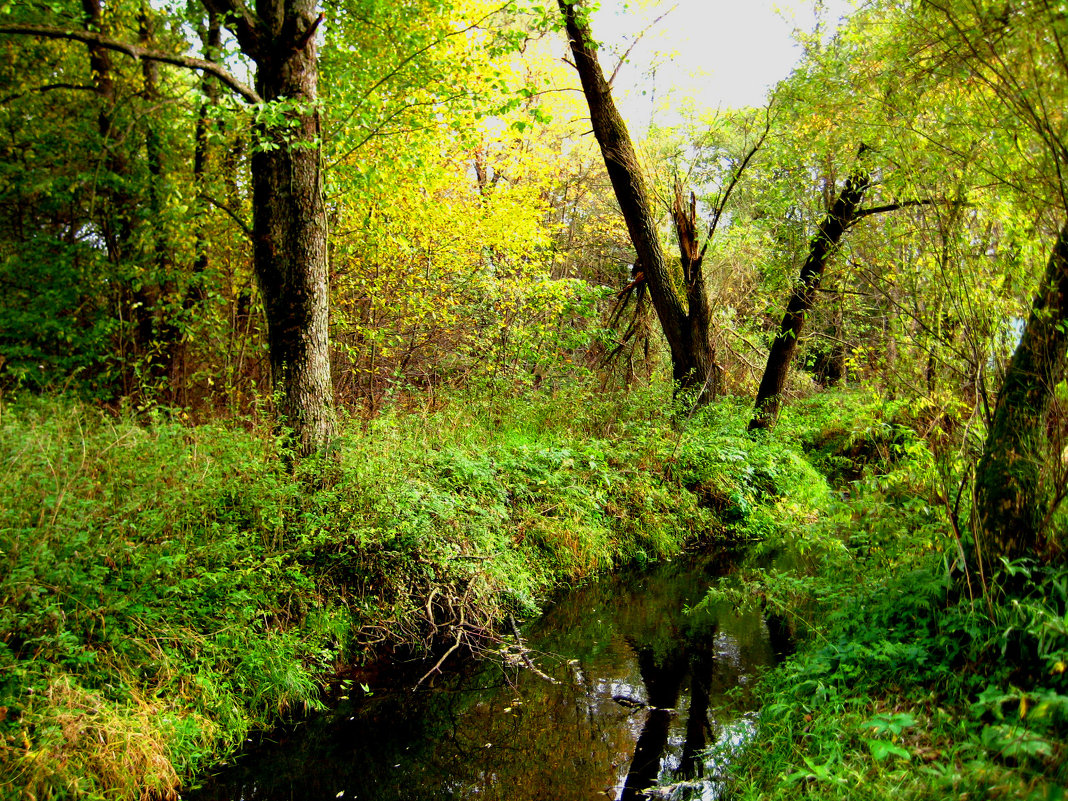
(643, 690)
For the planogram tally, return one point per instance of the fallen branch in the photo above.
(524, 654)
(444, 656)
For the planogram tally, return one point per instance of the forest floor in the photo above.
(168, 588)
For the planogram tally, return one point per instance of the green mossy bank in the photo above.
(167, 588)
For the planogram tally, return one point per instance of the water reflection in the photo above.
(642, 691)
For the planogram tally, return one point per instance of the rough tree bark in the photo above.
(686, 330)
(289, 215)
(1011, 509)
(844, 212)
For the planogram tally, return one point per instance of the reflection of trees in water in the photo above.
(782, 642)
(693, 657)
(551, 743)
(663, 681)
(697, 726)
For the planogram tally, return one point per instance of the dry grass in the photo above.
(77, 740)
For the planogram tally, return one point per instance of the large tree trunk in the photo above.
(686, 333)
(1010, 506)
(289, 225)
(841, 215)
(289, 216)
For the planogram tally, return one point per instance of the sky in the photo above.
(720, 53)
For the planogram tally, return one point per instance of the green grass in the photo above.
(166, 588)
(906, 684)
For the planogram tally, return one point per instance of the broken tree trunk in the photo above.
(686, 330)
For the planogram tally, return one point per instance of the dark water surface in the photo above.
(641, 694)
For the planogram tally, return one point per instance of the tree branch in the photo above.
(896, 206)
(304, 38)
(50, 87)
(638, 38)
(722, 201)
(134, 51)
(246, 26)
(411, 57)
(233, 215)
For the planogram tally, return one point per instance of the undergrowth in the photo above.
(908, 682)
(165, 589)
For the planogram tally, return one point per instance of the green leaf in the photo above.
(883, 749)
(1016, 742)
(891, 724)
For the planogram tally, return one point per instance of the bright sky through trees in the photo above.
(717, 53)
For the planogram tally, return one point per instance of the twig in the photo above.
(444, 656)
(721, 202)
(637, 39)
(524, 655)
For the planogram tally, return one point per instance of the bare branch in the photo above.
(722, 203)
(134, 51)
(638, 38)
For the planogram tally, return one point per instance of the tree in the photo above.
(982, 85)
(1011, 62)
(844, 98)
(289, 219)
(83, 118)
(685, 324)
(289, 216)
(840, 217)
(1013, 510)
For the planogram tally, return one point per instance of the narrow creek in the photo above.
(643, 689)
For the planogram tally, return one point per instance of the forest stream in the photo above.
(641, 688)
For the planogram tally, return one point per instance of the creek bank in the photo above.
(903, 685)
(638, 688)
(166, 590)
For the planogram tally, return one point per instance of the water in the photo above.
(643, 689)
